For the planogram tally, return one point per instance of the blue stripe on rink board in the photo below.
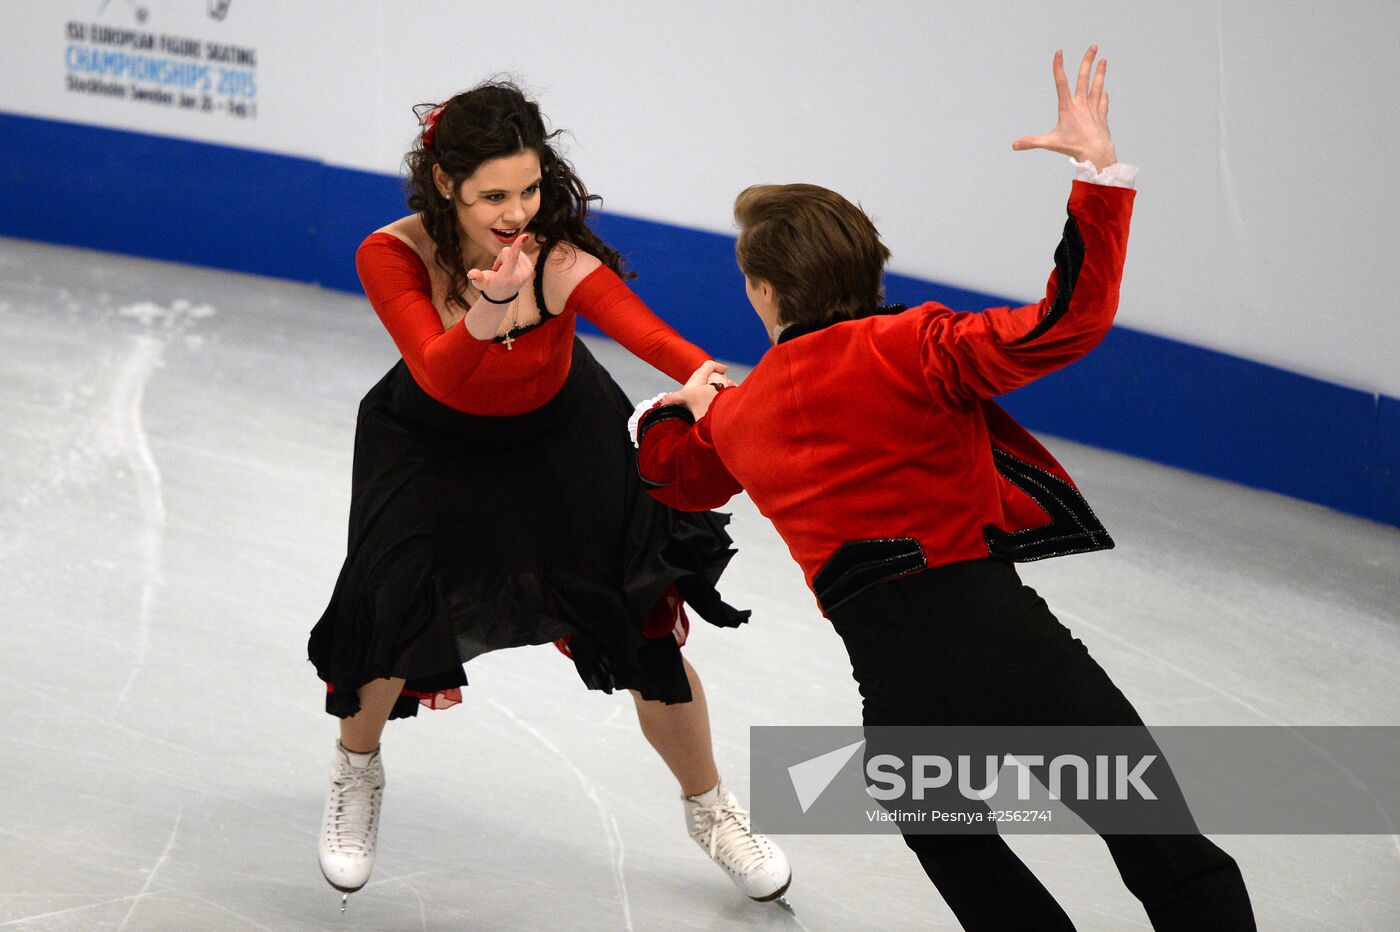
(156, 197)
(300, 219)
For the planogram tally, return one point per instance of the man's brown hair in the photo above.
(819, 251)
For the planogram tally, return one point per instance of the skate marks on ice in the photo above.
(616, 847)
(160, 326)
(155, 868)
(1243, 702)
(81, 445)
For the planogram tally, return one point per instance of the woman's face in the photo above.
(497, 202)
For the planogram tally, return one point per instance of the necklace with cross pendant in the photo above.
(509, 341)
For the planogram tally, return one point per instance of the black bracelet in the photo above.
(486, 297)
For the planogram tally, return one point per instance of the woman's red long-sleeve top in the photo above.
(485, 377)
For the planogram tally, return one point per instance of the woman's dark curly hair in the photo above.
(493, 120)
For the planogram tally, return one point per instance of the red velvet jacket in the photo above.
(872, 444)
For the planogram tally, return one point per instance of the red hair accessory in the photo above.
(430, 122)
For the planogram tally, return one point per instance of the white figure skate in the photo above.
(350, 826)
(720, 826)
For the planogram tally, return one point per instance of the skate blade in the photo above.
(782, 902)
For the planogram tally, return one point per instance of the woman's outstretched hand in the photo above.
(699, 390)
(1081, 131)
(511, 270)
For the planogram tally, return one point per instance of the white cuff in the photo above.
(636, 419)
(1116, 175)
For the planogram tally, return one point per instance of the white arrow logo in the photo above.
(811, 777)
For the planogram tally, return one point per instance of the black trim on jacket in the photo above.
(1073, 527)
(793, 331)
(859, 564)
(671, 412)
(1069, 258)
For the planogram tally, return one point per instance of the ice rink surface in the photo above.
(174, 477)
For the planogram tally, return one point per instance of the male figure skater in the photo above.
(868, 436)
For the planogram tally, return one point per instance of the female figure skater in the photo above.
(495, 499)
(907, 494)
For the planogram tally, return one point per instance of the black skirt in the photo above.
(471, 533)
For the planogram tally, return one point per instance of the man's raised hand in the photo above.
(1081, 130)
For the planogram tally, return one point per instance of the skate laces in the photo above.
(354, 804)
(724, 828)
